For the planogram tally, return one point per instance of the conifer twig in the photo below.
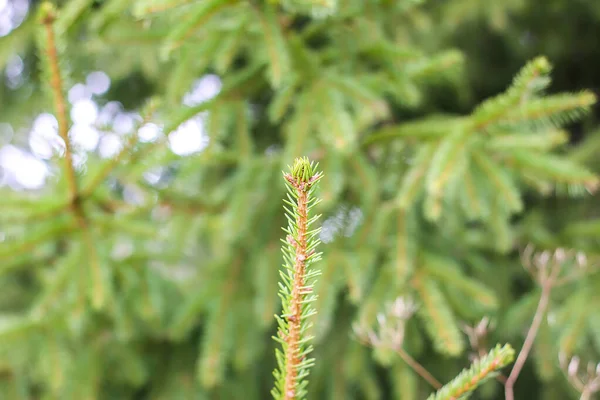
(298, 279)
(481, 370)
(47, 14)
(47, 17)
(477, 335)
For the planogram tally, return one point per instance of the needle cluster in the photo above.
(298, 278)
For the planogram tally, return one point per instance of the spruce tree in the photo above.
(458, 199)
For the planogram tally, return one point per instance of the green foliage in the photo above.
(297, 290)
(481, 370)
(153, 272)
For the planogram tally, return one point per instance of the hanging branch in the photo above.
(298, 280)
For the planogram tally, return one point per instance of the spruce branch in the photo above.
(299, 252)
(480, 371)
(532, 78)
(477, 335)
(47, 16)
(440, 321)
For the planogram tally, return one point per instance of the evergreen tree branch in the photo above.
(48, 17)
(298, 281)
(531, 78)
(481, 370)
(440, 321)
(477, 336)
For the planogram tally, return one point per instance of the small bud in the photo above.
(47, 12)
(573, 366)
(542, 65)
(560, 255)
(581, 259)
(482, 327)
(543, 259)
(302, 170)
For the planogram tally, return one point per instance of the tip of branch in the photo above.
(47, 12)
(303, 169)
(542, 65)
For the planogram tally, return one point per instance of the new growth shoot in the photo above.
(298, 278)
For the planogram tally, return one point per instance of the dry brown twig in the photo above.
(544, 267)
(586, 382)
(389, 334)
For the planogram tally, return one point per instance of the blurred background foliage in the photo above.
(157, 277)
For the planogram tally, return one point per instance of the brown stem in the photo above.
(56, 84)
(418, 368)
(411, 362)
(586, 394)
(294, 320)
(547, 284)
